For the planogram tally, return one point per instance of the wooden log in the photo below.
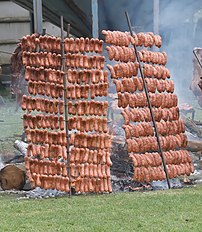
(12, 177)
(200, 84)
(191, 125)
(194, 146)
(21, 147)
(122, 166)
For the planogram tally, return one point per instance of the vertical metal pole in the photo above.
(156, 16)
(149, 103)
(31, 15)
(68, 30)
(38, 19)
(63, 68)
(94, 8)
(156, 19)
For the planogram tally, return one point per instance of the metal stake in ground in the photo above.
(63, 68)
(149, 103)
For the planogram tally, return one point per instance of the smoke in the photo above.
(180, 25)
(112, 14)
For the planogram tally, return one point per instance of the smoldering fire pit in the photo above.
(121, 178)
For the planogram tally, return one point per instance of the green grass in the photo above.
(171, 210)
(11, 126)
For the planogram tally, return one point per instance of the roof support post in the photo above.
(156, 16)
(156, 19)
(38, 19)
(94, 6)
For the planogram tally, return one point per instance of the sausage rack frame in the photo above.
(149, 103)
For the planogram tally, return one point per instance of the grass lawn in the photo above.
(171, 210)
(11, 127)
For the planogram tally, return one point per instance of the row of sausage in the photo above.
(52, 43)
(149, 174)
(85, 76)
(149, 143)
(146, 128)
(154, 159)
(119, 38)
(72, 91)
(163, 100)
(144, 115)
(131, 85)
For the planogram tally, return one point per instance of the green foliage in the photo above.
(171, 210)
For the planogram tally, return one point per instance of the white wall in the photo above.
(15, 23)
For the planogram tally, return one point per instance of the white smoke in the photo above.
(179, 26)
